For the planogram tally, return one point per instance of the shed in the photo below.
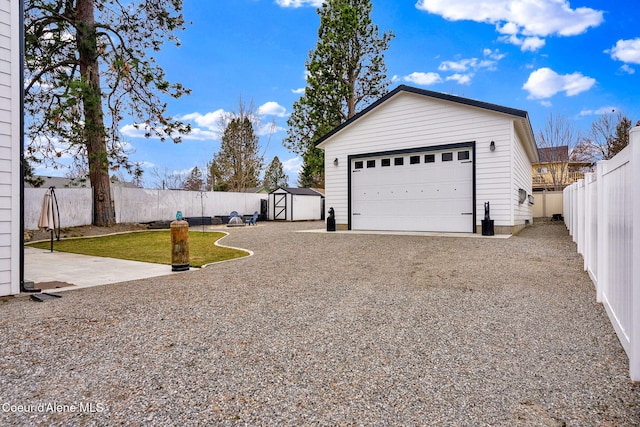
(295, 204)
(418, 160)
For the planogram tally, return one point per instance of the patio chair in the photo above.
(254, 219)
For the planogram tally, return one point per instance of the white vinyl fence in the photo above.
(139, 204)
(602, 213)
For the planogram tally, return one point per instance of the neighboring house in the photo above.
(259, 190)
(10, 120)
(417, 160)
(555, 170)
(295, 204)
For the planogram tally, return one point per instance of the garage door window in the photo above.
(463, 155)
(447, 157)
(358, 165)
(398, 161)
(371, 163)
(414, 160)
(429, 158)
(385, 162)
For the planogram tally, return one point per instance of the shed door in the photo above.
(423, 191)
(280, 206)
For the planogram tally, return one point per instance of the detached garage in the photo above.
(295, 204)
(418, 160)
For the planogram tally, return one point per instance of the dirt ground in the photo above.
(85, 230)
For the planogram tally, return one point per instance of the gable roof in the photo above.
(300, 191)
(520, 114)
(554, 154)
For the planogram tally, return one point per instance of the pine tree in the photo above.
(274, 176)
(194, 181)
(346, 72)
(238, 164)
(87, 65)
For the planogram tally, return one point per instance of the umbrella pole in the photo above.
(51, 240)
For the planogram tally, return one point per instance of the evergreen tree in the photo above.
(346, 72)
(87, 65)
(238, 164)
(194, 181)
(274, 176)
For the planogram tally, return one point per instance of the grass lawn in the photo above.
(147, 246)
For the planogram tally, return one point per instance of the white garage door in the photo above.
(417, 191)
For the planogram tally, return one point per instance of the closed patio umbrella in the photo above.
(50, 214)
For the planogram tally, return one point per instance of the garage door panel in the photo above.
(435, 196)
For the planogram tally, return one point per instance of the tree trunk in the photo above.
(94, 130)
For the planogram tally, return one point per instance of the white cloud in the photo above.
(423, 79)
(627, 51)
(299, 3)
(545, 83)
(298, 91)
(292, 165)
(463, 79)
(522, 22)
(272, 108)
(600, 111)
(627, 69)
(196, 134)
(212, 120)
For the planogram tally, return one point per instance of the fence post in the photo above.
(634, 357)
(603, 238)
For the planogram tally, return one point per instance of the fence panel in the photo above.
(139, 204)
(602, 214)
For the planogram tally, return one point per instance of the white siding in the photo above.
(522, 178)
(410, 120)
(9, 148)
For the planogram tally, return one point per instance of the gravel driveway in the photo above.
(328, 329)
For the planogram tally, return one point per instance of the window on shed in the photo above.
(398, 161)
(359, 164)
(385, 162)
(371, 163)
(463, 155)
(447, 157)
(429, 158)
(414, 160)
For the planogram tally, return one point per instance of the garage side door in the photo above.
(418, 191)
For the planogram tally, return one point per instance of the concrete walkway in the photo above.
(66, 271)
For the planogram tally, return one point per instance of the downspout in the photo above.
(21, 80)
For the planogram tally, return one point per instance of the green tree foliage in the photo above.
(194, 181)
(345, 73)
(87, 65)
(274, 176)
(238, 164)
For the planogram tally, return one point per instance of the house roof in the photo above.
(554, 154)
(522, 123)
(300, 191)
(438, 95)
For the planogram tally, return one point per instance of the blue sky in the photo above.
(577, 58)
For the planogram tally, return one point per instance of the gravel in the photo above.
(328, 329)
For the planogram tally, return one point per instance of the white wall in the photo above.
(299, 207)
(139, 204)
(410, 120)
(522, 178)
(306, 208)
(9, 148)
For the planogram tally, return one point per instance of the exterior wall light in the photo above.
(492, 146)
(335, 161)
